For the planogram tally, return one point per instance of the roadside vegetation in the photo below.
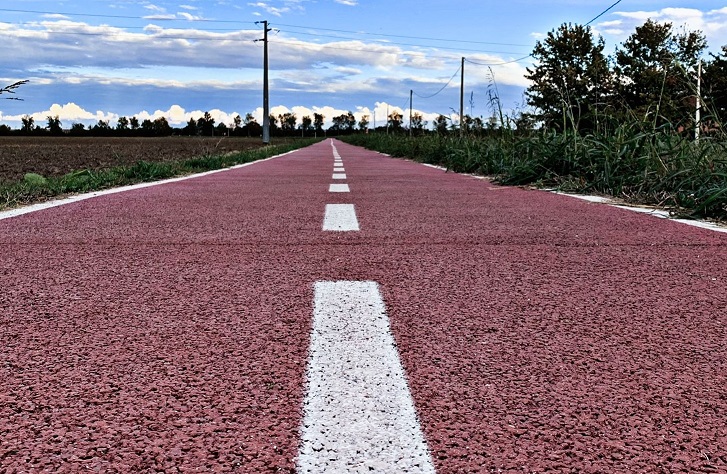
(34, 187)
(624, 126)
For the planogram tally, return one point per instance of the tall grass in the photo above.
(631, 162)
(35, 188)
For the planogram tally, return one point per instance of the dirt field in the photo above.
(54, 156)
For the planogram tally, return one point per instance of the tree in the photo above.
(78, 129)
(161, 127)
(122, 124)
(221, 130)
(338, 123)
(571, 80)
(102, 127)
(440, 124)
(350, 122)
(134, 123)
(251, 126)
(395, 121)
(654, 68)
(237, 122)
(191, 128)
(318, 122)
(363, 124)
(28, 123)
(273, 123)
(54, 125)
(417, 123)
(306, 124)
(147, 127)
(206, 124)
(287, 121)
(714, 90)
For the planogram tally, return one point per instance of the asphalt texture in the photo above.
(167, 329)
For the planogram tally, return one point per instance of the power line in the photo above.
(207, 20)
(317, 35)
(499, 64)
(443, 87)
(603, 12)
(401, 36)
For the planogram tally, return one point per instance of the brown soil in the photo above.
(56, 156)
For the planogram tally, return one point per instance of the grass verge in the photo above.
(655, 167)
(36, 188)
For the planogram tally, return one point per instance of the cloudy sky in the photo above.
(90, 60)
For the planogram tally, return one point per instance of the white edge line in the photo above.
(652, 212)
(82, 197)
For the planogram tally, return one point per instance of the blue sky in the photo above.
(100, 59)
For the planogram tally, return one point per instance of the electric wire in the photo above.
(603, 12)
(443, 87)
(401, 36)
(498, 64)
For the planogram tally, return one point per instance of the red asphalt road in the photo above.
(167, 328)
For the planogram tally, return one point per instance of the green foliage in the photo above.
(635, 164)
(570, 80)
(34, 180)
(654, 70)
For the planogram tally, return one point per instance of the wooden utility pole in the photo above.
(266, 95)
(698, 114)
(411, 94)
(461, 102)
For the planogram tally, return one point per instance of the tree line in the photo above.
(652, 78)
(286, 124)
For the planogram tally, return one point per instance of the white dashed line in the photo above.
(359, 414)
(339, 175)
(340, 218)
(339, 170)
(338, 188)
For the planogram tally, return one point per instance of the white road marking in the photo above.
(645, 210)
(339, 175)
(339, 170)
(340, 218)
(338, 188)
(359, 414)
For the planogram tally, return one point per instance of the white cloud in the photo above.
(155, 8)
(69, 112)
(350, 3)
(712, 23)
(188, 7)
(275, 11)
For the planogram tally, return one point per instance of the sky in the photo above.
(91, 60)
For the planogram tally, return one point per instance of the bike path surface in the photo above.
(168, 328)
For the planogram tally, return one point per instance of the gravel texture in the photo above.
(167, 328)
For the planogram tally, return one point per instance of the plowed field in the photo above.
(54, 156)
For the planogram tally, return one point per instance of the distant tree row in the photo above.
(286, 124)
(651, 77)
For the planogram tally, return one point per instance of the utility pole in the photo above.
(698, 115)
(266, 95)
(461, 102)
(411, 94)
